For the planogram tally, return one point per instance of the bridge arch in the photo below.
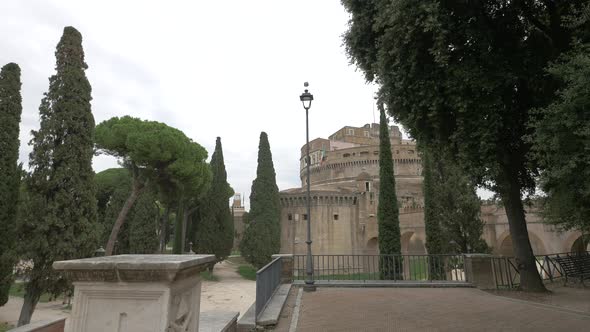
(372, 246)
(579, 243)
(412, 244)
(506, 248)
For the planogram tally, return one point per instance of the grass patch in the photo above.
(247, 272)
(206, 275)
(5, 327)
(18, 290)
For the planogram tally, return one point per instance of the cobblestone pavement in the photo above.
(428, 309)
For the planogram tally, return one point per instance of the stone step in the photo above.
(272, 311)
(218, 321)
(387, 283)
(247, 322)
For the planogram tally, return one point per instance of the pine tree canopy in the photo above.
(10, 115)
(262, 236)
(155, 153)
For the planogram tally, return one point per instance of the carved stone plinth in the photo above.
(136, 292)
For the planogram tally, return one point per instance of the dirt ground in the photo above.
(573, 296)
(230, 293)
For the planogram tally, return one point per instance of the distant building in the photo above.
(238, 210)
(345, 191)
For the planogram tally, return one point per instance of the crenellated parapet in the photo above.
(300, 199)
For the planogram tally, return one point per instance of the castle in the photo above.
(344, 184)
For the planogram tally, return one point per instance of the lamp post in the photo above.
(306, 99)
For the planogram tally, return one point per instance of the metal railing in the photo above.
(382, 267)
(268, 280)
(506, 274)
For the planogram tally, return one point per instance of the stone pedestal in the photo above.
(479, 271)
(136, 292)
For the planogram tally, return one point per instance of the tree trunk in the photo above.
(135, 191)
(184, 224)
(30, 302)
(189, 227)
(177, 246)
(530, 280)
(164, 229)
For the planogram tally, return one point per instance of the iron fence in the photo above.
(382, 267)
(268, 280)
(506, 274)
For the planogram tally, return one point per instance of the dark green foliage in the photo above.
(215, 229)
(10, 113)
(436, 241)
(177, 244)
(466, 74)
(262, 234)
(452, 208)
(387, 211)
(59, 215)
(561, 143)
(140, 234)
(143, 225)
(156, 154)
(115, 203)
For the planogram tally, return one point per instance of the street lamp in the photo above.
(306, 99)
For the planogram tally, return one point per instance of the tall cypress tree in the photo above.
(435, 240)
(10, 113)
(451, 211)
(215, 230)
(262, 236)
(143, 225)
(61, 219)
(387, 211)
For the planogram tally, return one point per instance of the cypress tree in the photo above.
(61, 219)
(177, 244)
(143, 225)
(10, 113)
(262, 236)
(435, 242)
(215, 230)
(387, 211)
(451, 211)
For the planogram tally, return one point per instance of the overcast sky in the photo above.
(210, 68)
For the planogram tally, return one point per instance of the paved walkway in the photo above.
(426, 309)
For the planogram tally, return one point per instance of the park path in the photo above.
(230, 293)
(426, 309)
(50, 310)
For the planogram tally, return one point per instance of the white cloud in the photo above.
(210, 68)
